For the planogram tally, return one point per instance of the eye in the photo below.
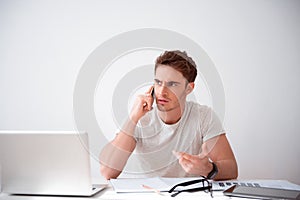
(158, 82)
(172, 84)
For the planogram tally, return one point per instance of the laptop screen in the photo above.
(45, 162)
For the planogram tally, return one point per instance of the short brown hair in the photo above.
(180, 61)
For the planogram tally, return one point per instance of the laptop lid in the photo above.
(45, 163)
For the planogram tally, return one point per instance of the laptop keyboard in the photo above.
(223, 185)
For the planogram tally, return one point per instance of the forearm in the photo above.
(219, 151)
(115, 154)
(112, 160)
(227, 169)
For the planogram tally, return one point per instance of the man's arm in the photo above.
(219, 151)
(115, 154)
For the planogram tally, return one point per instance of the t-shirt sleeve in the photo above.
(137, 133)
(211, 125)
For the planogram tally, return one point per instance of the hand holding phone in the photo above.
(142, 105)
(152, 95)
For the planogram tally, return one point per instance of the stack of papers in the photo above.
(138, 184)
(162, 184)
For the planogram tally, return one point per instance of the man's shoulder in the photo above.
(198, 111)
(197, 106)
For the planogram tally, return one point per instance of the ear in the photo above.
(190, 87)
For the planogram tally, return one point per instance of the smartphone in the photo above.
(261, 192)
(152, 92)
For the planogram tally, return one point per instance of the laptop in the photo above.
(46, 163)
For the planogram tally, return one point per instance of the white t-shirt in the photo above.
(156, 141)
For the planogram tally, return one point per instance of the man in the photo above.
(175, 138)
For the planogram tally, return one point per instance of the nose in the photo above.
(162, 90)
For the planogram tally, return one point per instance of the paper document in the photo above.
(136, 184)
(161, 184)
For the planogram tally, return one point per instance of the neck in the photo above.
(172, 116)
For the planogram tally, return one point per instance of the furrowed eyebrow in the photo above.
(172, 82)
(168, 83)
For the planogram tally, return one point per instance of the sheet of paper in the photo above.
(164, 184)
(174, 181)
(136, 185)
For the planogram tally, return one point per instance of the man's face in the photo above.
(170, 88)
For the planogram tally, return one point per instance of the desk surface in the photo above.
(110, 194)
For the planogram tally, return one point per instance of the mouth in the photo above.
(162, 101)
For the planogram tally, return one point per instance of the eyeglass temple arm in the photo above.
(186, 184)
(193, 190)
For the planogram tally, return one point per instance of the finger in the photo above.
(147, 105)
(184, 160)
(149, 101)
(192, 159)
(144, 101)
(187, 156)
(148, 98)
(176, 154)
(149, 91)
(185, 164)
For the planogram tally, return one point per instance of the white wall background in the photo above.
(255, 46)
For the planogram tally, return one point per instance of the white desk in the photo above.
(110, 194)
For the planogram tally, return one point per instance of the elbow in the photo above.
(109, 173)
(233, 169)
(234, 175)
(234, 172)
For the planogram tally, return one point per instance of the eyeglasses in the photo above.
(206, 186)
